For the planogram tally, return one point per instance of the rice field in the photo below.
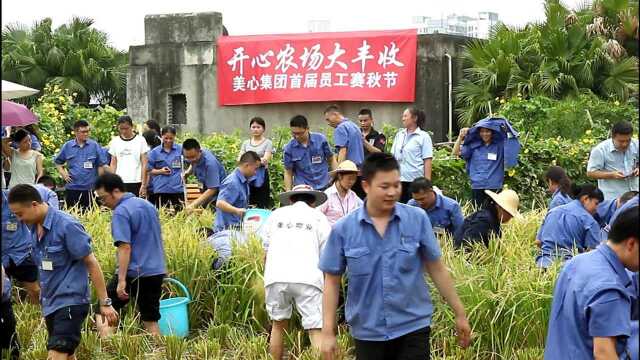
(506, 297)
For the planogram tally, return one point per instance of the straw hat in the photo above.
(346, 166)
(285, 197)
(508, 200)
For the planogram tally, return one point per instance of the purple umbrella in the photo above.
(14, 114)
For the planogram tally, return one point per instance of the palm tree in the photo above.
(571, 52)
(74, 56)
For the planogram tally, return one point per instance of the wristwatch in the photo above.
(105, 302)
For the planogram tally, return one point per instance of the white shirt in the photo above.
(294, 236)
(127, 153)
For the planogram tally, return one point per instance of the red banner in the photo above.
(355, 66)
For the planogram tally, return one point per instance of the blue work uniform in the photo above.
(82, 163)
(348, 135)
(64, 278)
(411, 150)
(565, 229)
(16, 238)
(159, 158)
(485, 164)
(633, 344)
(48, 196)
(310, 163)
(135, 222)
(387, 296)
(445, 214)
(592, 298)
(628, 205)
(209, 170)
(235, 191)
(605, 211)
(558, 199)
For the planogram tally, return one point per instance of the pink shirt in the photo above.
(336, 208)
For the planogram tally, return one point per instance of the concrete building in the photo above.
(477, 27)
(172, 79)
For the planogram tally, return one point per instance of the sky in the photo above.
(123, 20)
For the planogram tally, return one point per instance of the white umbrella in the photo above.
(12, 90)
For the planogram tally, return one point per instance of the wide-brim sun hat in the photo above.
(285, 197)
(508, 200)
(346, 166)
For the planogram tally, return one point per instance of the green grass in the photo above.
(506, 297)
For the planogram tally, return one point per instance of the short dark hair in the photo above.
(332, 108)
(306, 198)
(625, 226)
(24, 193)
(125, 119)
(110, 182)
(299, 121)
(249, 157)
(627, 196)
(80, 123)
(366, 112)
(258, 120)
(191, 144)
(19, 135)
(153, 125)
(420, 184)
(590, 190)
(47, 180)
(622, 128)
(377, 162)
(151, 137)
(169, 129)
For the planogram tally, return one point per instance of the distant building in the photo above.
(478, 27)
(319, 25)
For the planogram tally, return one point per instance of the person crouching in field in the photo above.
(65, 259)
(293, 237)
(140, 268)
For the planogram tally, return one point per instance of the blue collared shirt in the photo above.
(485, 165)
(629, 204)
(605, 211)
(634, 340)
(82, 163)
(478, 227)
(235, 191)
(558, 199)
(348, 135)
(209, 170)
(159, 158)
(564, 229)
(65, 243)
(592, 298)
(387, 296)
(445, 214)
(16, 238)
(310, 164)
(49, 196)
(411, 150)
(135, 222)
(605, 157)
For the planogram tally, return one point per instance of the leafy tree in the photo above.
(74, 56)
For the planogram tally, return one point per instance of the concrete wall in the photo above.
(179, 57)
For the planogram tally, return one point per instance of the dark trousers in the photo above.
(261, 196)
(412, 346)
(479, 198)
(175, 200)
(133, 188)
(8, 337)
(357, 188)
(82, 199)
(406, 192)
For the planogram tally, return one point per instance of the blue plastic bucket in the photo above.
(174, 314)
(254, 218)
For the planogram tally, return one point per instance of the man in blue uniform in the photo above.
(385, 247)
(65, 261)
(592, 302)
(135, 228)
(307, 157)
(444, 212)
(207, 169)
